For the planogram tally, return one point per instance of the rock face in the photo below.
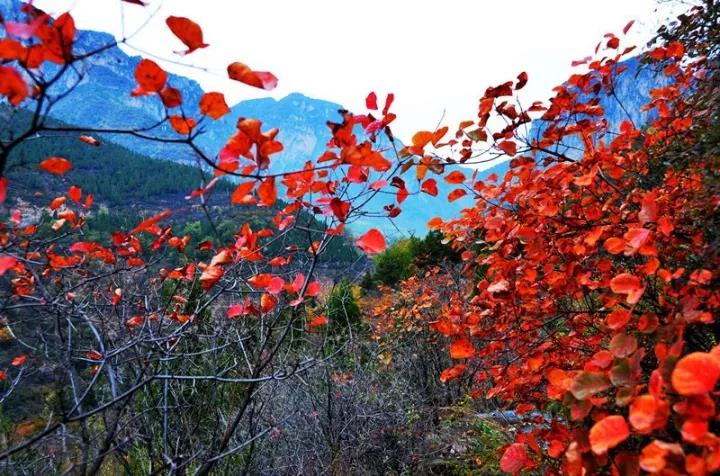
(101, 98)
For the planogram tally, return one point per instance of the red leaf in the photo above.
(648, 212)
(340, 208)
(242, 191)
(643, 413)
(628, 26)
(18, 361)
(371, 101)
(75, 193)
(455, 177)
(371, 242)
(214, 105)
(626, 283)
(12, 85)
(461, 348)
(514, 459)
(456, 194)
(56, 165)
(259, 79)
(618, 318)
(508, 146)
(188, 32)
(267, 193)
(430, 187)
(235, 310)
(3, 189)
(608, 433)
(6, 262)
(276, 285)
(696, 374)
(210, 276)
(452, 373)
(319, 321)
(313, 289)
(90, 140)
(148, 223)
(171, 97)
(522, 80)
(150, 77)
(388, 102)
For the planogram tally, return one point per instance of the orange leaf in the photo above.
(608, 433)
(182, 125)
(371, 242)
(696, 374)
(56, 165)
(420, 139)
(643, 413)
(210, 276)
(214, 105)
(259, 79)
(267, 303)
(614, 245)
(461, 348)
(188, 32)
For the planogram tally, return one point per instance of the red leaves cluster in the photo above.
(585, 274)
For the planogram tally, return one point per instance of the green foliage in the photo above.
(343, 311)
(403, 258)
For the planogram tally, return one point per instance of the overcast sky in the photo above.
(434, 55)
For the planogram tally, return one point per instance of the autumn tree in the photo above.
(590, 285)
(145, 349)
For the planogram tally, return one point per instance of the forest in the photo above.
(227, 307)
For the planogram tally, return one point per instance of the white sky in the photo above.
(434, 55)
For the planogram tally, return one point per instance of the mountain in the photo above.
(101, 98)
